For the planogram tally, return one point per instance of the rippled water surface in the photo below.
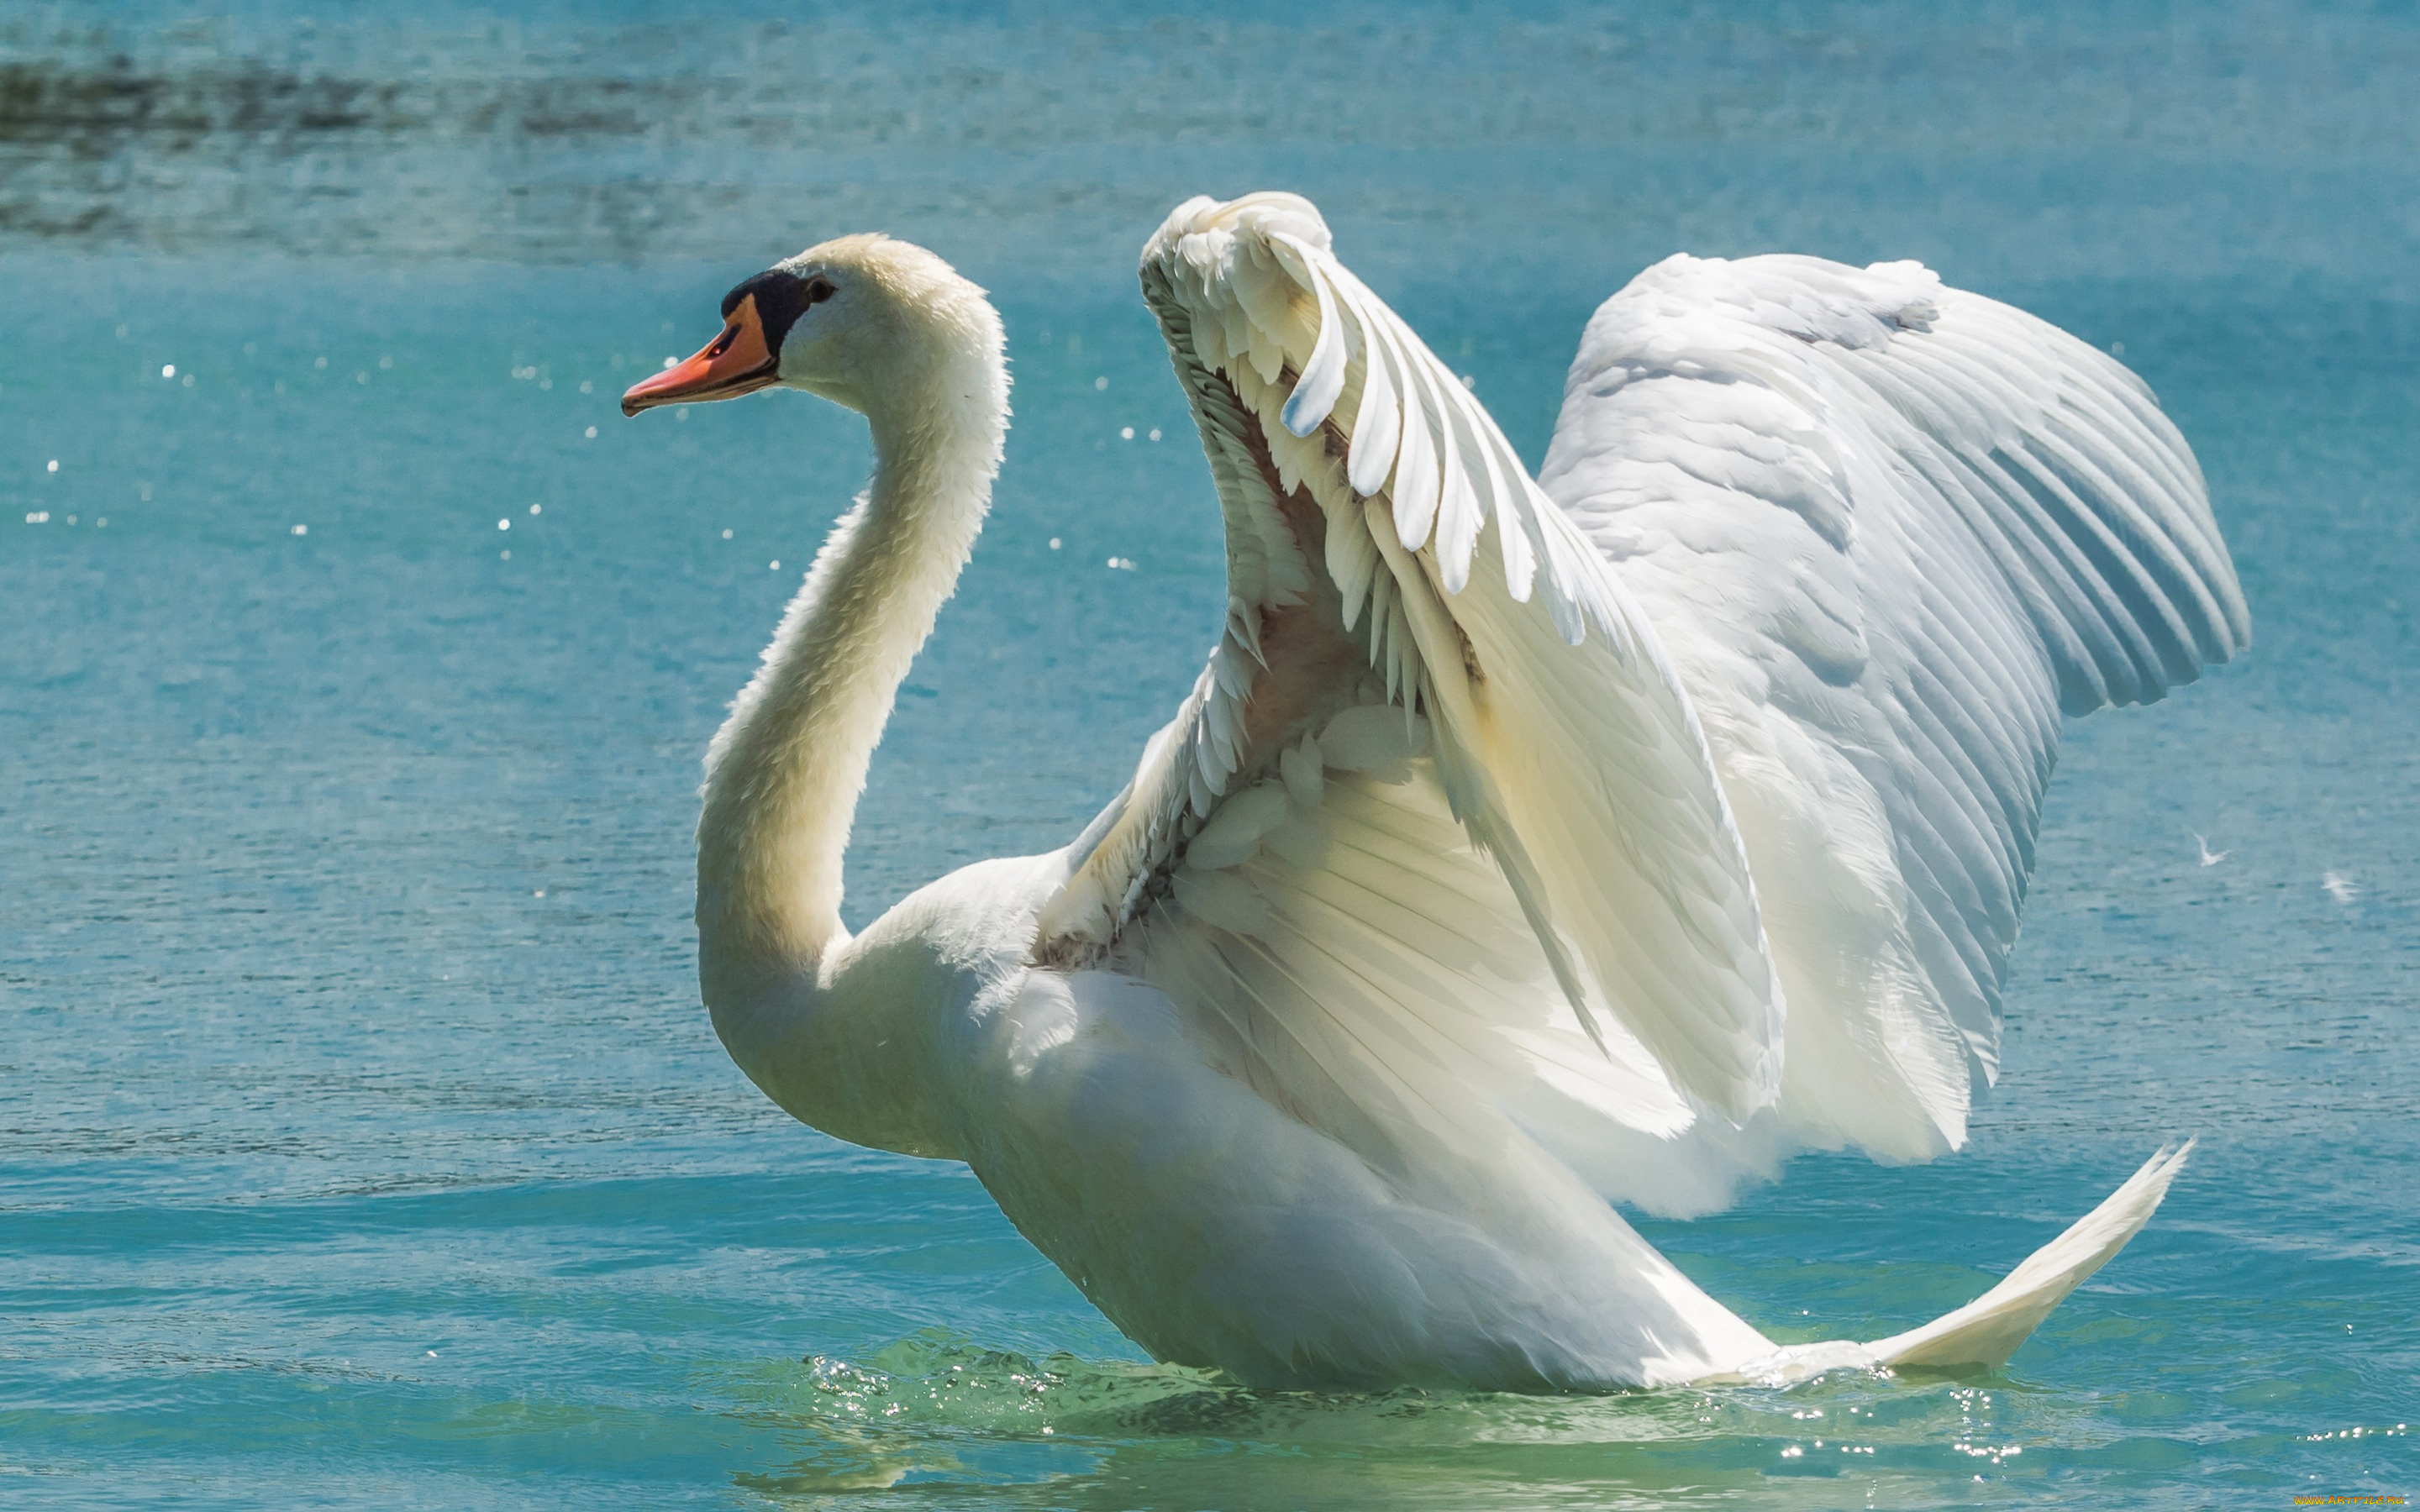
(362, 1142)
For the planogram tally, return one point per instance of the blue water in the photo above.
(362, 1142)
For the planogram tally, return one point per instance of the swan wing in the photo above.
(1437, 817)
(1889, 531)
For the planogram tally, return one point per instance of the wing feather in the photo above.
(1454, 836)
(1557, 752)
(1889, 531)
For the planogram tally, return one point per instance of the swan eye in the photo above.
(722, 343)
(778, 297)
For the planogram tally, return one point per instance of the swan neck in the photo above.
(785, 771)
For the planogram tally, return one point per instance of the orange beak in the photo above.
(736, 363)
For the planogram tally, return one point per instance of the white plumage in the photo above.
(1523, 844)
(1889, 531)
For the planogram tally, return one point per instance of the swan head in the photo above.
(857, 320)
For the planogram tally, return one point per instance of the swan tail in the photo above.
(1985, 1332)
(1988, 1330)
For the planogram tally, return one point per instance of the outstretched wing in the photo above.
(1437, 835)
(1889, 532)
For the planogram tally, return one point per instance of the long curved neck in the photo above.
(785, 772)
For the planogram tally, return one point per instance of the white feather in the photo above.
(1887, 531)
(1622, 850)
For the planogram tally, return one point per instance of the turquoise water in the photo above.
(362, 1142)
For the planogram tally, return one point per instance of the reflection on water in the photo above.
(624, 130)
(939, 1408)
(938, 1412)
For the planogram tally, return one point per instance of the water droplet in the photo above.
(1054, 543)
(1101, 383)
(1154, 432)
(300, 530)
(538, 509)
(503, 525)
(726, 534)
(591, 433)
(775, 564)
(167, 370)
(386, 364)
(55, 465)
(1126, 433)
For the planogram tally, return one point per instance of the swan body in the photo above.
(1523, 845)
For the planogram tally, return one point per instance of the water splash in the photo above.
(939, 1410)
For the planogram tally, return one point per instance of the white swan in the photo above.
(1523, 844)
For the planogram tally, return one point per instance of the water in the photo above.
(361, 1140)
